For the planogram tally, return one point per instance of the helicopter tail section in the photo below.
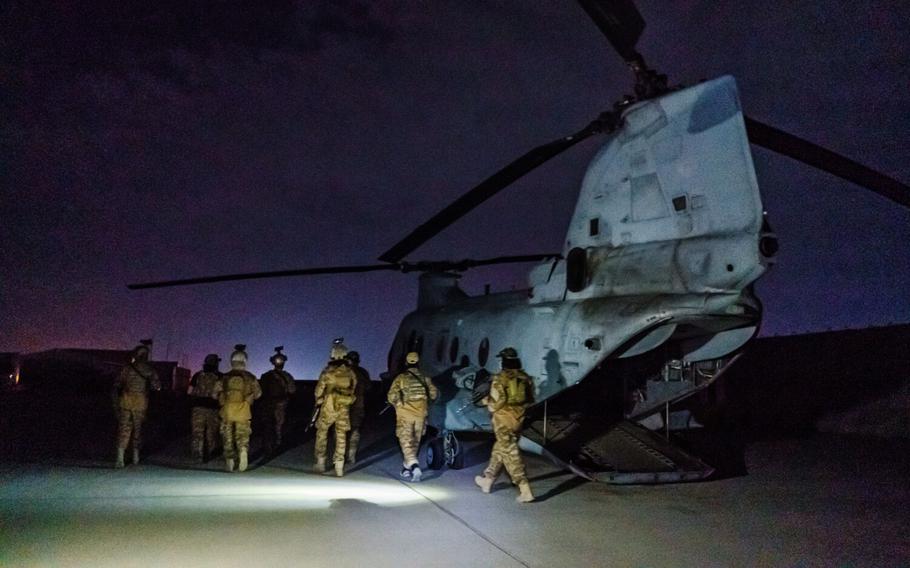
(671, 204)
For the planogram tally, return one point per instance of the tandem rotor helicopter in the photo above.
(648, 302)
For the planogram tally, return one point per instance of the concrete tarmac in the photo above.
(821, 501)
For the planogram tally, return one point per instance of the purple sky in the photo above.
(146, 141)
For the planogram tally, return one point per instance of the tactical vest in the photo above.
(134, 390)
(339, 384)
(234, 407)
(414, 387)
(204, 383)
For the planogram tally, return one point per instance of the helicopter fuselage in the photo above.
(665, 242)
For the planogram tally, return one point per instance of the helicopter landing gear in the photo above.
(445, 450)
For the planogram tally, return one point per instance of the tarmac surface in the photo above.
(821, 501)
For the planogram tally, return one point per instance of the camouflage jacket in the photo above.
(335, 388)
(202, 389)
(236, 392)
(133, 383)
(411, 392)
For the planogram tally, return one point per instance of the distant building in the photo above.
(91, 369)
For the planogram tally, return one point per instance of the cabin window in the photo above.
(453, 350)
(594, 227)
(483, 352)
(576, 269)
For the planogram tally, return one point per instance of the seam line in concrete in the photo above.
(459, 519)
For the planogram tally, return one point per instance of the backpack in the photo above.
(516, 390)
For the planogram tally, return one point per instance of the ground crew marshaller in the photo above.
(511, 392)
(410, 394)
(204, 418)
(334, 396)
(236, 392)
(277, 387)
(358, 409)
(131, 389)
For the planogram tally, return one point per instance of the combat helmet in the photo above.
(142, 351)
(508, 353)
(339, 351)
(239, 356)
(509, 358)
(279, 358)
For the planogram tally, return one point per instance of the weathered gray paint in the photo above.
(679, 218)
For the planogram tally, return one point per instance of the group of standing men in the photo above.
(222, 402)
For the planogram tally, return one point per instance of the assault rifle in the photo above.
(314, 417)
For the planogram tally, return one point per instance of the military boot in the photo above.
(339, 469)
(319, 466)
(135, 456)
(228, 465)
(524, 493)
(416, 474)
(485, 483)
(243, 461)
(119, 463)
(352, 456)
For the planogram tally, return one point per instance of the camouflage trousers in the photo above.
(235, 437)
(205, 425)
(506, 427)
(409, 429)
(341, 419)
(129, 427)
(275, 413)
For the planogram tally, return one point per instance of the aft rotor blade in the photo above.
(461, 265)
(814, 155)
(258, 275)
(491, 186)
(620, 21)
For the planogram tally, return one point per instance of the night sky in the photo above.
(153, 140)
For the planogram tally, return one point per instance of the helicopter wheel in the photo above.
(435, 456)
(454, 451)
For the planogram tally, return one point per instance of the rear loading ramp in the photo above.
(621, 453)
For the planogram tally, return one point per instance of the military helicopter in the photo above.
(651, 296)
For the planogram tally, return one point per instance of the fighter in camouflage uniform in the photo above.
(204, 419)
(131, 395)
(358, 409)
(236, 392)
(410, 394)
(334, 395)
(277, 387)
(511, 392)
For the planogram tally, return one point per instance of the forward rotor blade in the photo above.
(814, 155)
(257, 275)
(493, 185)
(620, 21)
